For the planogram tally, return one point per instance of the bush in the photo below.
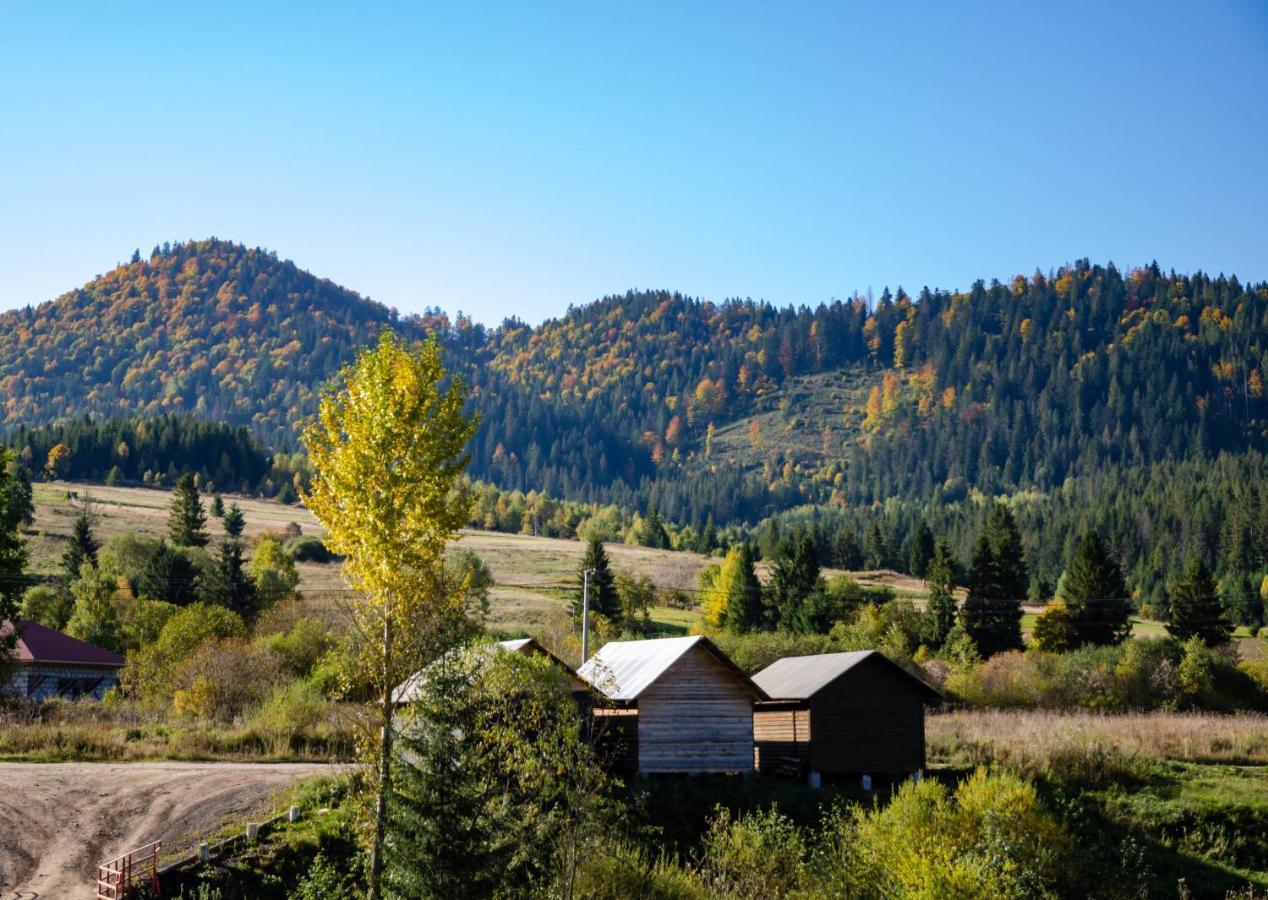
(148, 673)
(616, 871)
(222, 677)
(307, 548)
(988, 838)
(291, 709)
(302, 646)
(758, 856)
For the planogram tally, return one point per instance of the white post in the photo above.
(293, 814)
(204, 852)
(253, 831)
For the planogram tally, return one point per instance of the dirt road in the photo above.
(58, 821)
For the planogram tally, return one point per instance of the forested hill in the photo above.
(729, 410)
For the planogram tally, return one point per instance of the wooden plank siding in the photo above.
(781, 731)
(697, 717)
(872, 719)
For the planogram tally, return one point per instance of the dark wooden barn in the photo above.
(692, 707)
(840, 714)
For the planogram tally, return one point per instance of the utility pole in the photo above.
(585, 614)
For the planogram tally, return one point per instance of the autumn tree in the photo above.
(387, 451)
(187, 521)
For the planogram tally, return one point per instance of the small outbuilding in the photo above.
(692, 706)
(49, 664)
(840, 714)
(407, 690)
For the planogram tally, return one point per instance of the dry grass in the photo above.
(90, 731)
(1039, 741)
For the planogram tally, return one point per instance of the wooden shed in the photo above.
(408, 689)
(840, 714)
(693, 706)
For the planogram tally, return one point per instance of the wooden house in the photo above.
(692, 707)
(840, 714)
(48, 664)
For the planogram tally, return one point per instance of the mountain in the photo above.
(732, 410)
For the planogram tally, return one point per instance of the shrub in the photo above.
(988, 838)
(292, 708)
(616, 871)
(758, 856)
(307, 548)
(148, 673)
(224, 676)
(302, 646)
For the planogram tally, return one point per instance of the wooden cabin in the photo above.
(692, 705)
(408, 689)
(840, 714)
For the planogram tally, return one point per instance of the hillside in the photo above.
(1083, 377)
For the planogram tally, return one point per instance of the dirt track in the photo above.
(58, 821)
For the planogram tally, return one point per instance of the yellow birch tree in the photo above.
(387, 451)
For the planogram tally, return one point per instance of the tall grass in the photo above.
(90, 731)
(1088, 745)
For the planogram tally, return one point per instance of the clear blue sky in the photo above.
(506, 160)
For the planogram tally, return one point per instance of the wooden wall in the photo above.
(781, 738)
(871, 719)
(697, 717)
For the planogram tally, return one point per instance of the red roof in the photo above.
(37, 644)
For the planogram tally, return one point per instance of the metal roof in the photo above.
(801, 677)
(37, 644)
(624, 669)
(408, 689)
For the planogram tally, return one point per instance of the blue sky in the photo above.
(514, 159)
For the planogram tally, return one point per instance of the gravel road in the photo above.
(59, 820)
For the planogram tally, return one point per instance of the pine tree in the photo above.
(226, 582)
(794, 578)
(217, 506)
(738, 581)
(187, 522)
(83, 547)
(845, 551)
(168, 575)
(604, 597)
(1196, 610)
(1095, 594)
(653, 533)
(997, 583)
(14, 510)
(922, 550)
(939, 616)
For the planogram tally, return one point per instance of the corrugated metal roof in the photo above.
(37, 644)
(624, 669)
(801, 677)
(407, 691)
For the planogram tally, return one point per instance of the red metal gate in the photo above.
(118, 878)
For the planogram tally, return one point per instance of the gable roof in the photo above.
(801, 677)
(408, 689)
(624, 669)
(37, 644)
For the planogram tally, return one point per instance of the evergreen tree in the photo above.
(187, 521)
(14, 509)
(738, 582)
(168, 575)
(846, 553)
(653, 533)
(878, 555)
(217, 506)
(604, 597)
(992, 611)
(939, 616)
(794, 578)
(83, 546)
(1196, 610)
(922, 550)
(1095, 594)
(226, 583)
